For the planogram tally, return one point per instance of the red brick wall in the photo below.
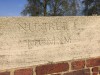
(74, 67)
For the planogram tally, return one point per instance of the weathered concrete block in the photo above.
(27, 41)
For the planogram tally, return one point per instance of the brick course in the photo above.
(28, 71)
(78, 65)
(52, 68)
(95, 70)
(79, 72)
(5, 73)
(74, 67)
(93, 62)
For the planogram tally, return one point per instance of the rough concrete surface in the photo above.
(27, 41)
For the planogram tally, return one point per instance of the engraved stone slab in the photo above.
(27, 41)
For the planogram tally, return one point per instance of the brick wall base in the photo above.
(89, 66)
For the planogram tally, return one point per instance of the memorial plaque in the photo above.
(27, 41)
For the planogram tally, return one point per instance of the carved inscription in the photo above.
(46, 41)
(44, 26)
(35, 34)
(45, 34)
